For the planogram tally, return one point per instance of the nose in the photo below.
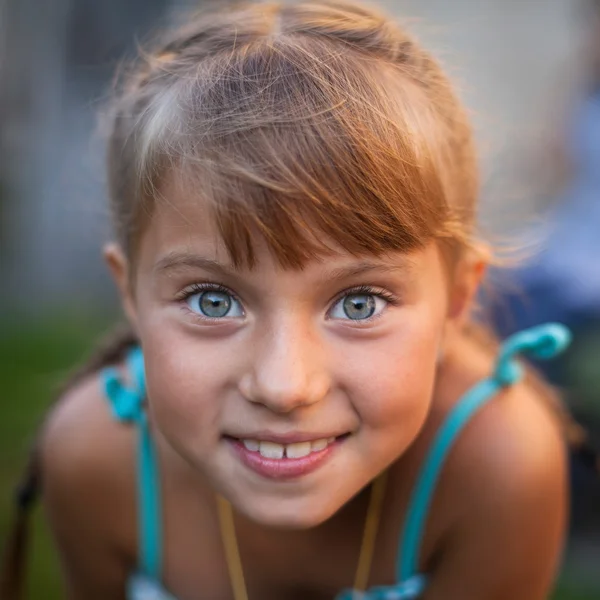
(287, 370)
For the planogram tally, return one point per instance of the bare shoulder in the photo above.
(515, 439)
(514, 445)
(88, 477)
(504, 499)
(82, 442)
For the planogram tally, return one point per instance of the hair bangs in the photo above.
(311, 153)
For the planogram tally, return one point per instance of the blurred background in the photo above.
(530, 73)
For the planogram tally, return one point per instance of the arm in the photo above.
(81, 494)
(508, 537)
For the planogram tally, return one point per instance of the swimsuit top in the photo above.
(127, 404)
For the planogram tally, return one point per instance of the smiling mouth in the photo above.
(276, 451)
(284, 461)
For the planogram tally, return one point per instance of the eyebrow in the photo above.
(175, 261)
(404, 266)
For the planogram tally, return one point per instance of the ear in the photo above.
(468, 276)
(119, 268)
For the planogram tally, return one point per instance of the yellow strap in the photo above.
(232, 553)
(367, 548)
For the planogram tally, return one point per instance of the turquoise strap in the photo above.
(128, 405)
(150, 521)
(540, 342)
(423, 493)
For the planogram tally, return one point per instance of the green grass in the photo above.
(575, 591)
(35, 357)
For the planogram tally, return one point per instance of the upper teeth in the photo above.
(277, 451)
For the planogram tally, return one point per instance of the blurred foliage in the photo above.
(581, 369)
(35, 357)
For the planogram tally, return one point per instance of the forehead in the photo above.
(186, 218)
(182, 235)
(184, 215)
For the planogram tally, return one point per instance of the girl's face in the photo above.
(289, 390)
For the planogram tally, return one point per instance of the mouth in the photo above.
(276, 460)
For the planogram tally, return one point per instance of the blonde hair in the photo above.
(293, 119)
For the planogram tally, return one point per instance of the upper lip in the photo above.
(286, 438)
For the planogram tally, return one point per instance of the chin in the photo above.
(294, 514)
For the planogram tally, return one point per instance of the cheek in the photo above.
(187, 384)
(391, 380)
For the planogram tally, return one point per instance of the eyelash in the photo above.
(367, 290)
(197, 288)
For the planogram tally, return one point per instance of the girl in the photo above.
(294, 191)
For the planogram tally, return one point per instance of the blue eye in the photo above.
(358, 307)
(215, 304)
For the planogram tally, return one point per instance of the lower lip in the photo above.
(284, 468)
